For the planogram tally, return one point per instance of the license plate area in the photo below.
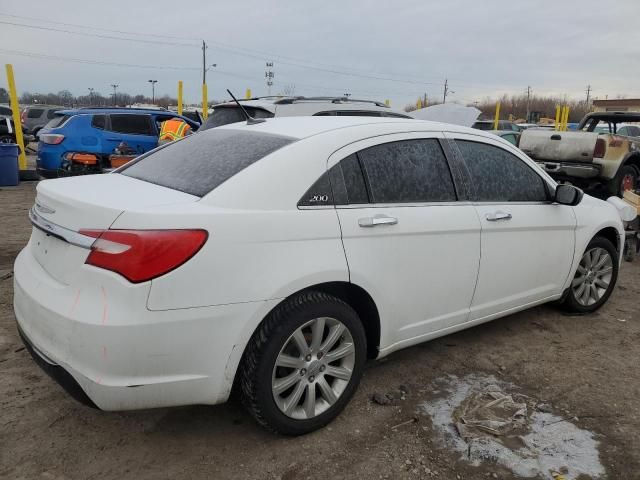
(58, 258)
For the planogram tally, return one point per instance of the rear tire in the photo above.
(594, 279)
(625, 179)
(291, 391)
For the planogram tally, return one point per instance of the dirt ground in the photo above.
(585, 367)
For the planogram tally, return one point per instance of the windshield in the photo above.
(199, 163)
(226, 115)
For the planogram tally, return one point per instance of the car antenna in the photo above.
(250, 119)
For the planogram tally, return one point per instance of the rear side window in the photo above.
(57, 121)
(408, 171)
(99, 121)
(343, 184)
(131, 124)
(500, 176)
(226, 115)
(34, 112)
(199, 163)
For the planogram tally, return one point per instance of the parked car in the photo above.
(596, 154)
(629, 130)
(7, 130)
(502, 125)
(5, 111)
(81, 141)
(269, 107)
(279, 256)
(510, 136)
(34, 117)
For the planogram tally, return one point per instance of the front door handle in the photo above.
(377, 220)
(499, 215)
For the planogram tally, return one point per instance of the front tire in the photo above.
(595, 278)
(303, 364)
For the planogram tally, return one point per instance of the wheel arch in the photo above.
(611, 234)
(354, 295)
(632, 159)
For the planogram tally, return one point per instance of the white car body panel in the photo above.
(179, 338)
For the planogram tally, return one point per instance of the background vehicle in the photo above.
(34, 117)
(510, 136)
(629, 130)
(7, 130)
(268, 107)
(502, 125)
(245, 253)
(80, 141)
(596, 154)
(5, 111)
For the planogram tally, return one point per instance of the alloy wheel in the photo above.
(593, 276)
(313, 368)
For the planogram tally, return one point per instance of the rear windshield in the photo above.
(202, 161)
(483, 126)
(55, 122)
(225, 115)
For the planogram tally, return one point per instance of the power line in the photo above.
(93, 27)
(97, 35)
(93, 62)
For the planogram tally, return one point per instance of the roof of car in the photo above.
(271, 103)
(302, 127)
(78, 111)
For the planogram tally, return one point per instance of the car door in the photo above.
(135, 129)
(408, 240)
(527, 241)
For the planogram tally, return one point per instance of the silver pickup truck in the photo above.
(597, 153)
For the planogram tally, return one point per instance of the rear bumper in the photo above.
(575, 170)
(101, 343)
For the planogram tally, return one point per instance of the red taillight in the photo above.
(600, 148)
(51, 138)
(23, 115)
(141, 255)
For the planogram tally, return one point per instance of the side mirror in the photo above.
(568, 195)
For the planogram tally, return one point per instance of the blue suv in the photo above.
(82, 140)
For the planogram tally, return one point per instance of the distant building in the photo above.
(617, 105)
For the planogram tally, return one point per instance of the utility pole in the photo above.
(153, 91)
(528, 101)
(269, 75)
(204, 63)
(446, 90)
(588, 93)
(90, 96)
(115, 88)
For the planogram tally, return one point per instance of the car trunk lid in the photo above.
(65, 206)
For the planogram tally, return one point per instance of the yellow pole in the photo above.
(495, 120)
(247, 94)
(387, 102)
(419, 103)
(205, 103)
(179, 97)
(566, 118)
(15, 110)
(557, 124)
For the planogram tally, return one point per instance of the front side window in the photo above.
(499, 176)
(410, 171)
(131, 124)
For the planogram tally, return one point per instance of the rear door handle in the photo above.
(377, 220)
(496, 216)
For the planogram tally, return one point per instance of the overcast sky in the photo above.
(371, 49)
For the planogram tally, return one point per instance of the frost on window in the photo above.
(499, 176)
(202, 161)
(408, 171)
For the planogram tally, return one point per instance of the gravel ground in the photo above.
(584, 367)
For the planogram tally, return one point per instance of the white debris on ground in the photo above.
(480, 418)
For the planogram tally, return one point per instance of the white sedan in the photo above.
(280, 256)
